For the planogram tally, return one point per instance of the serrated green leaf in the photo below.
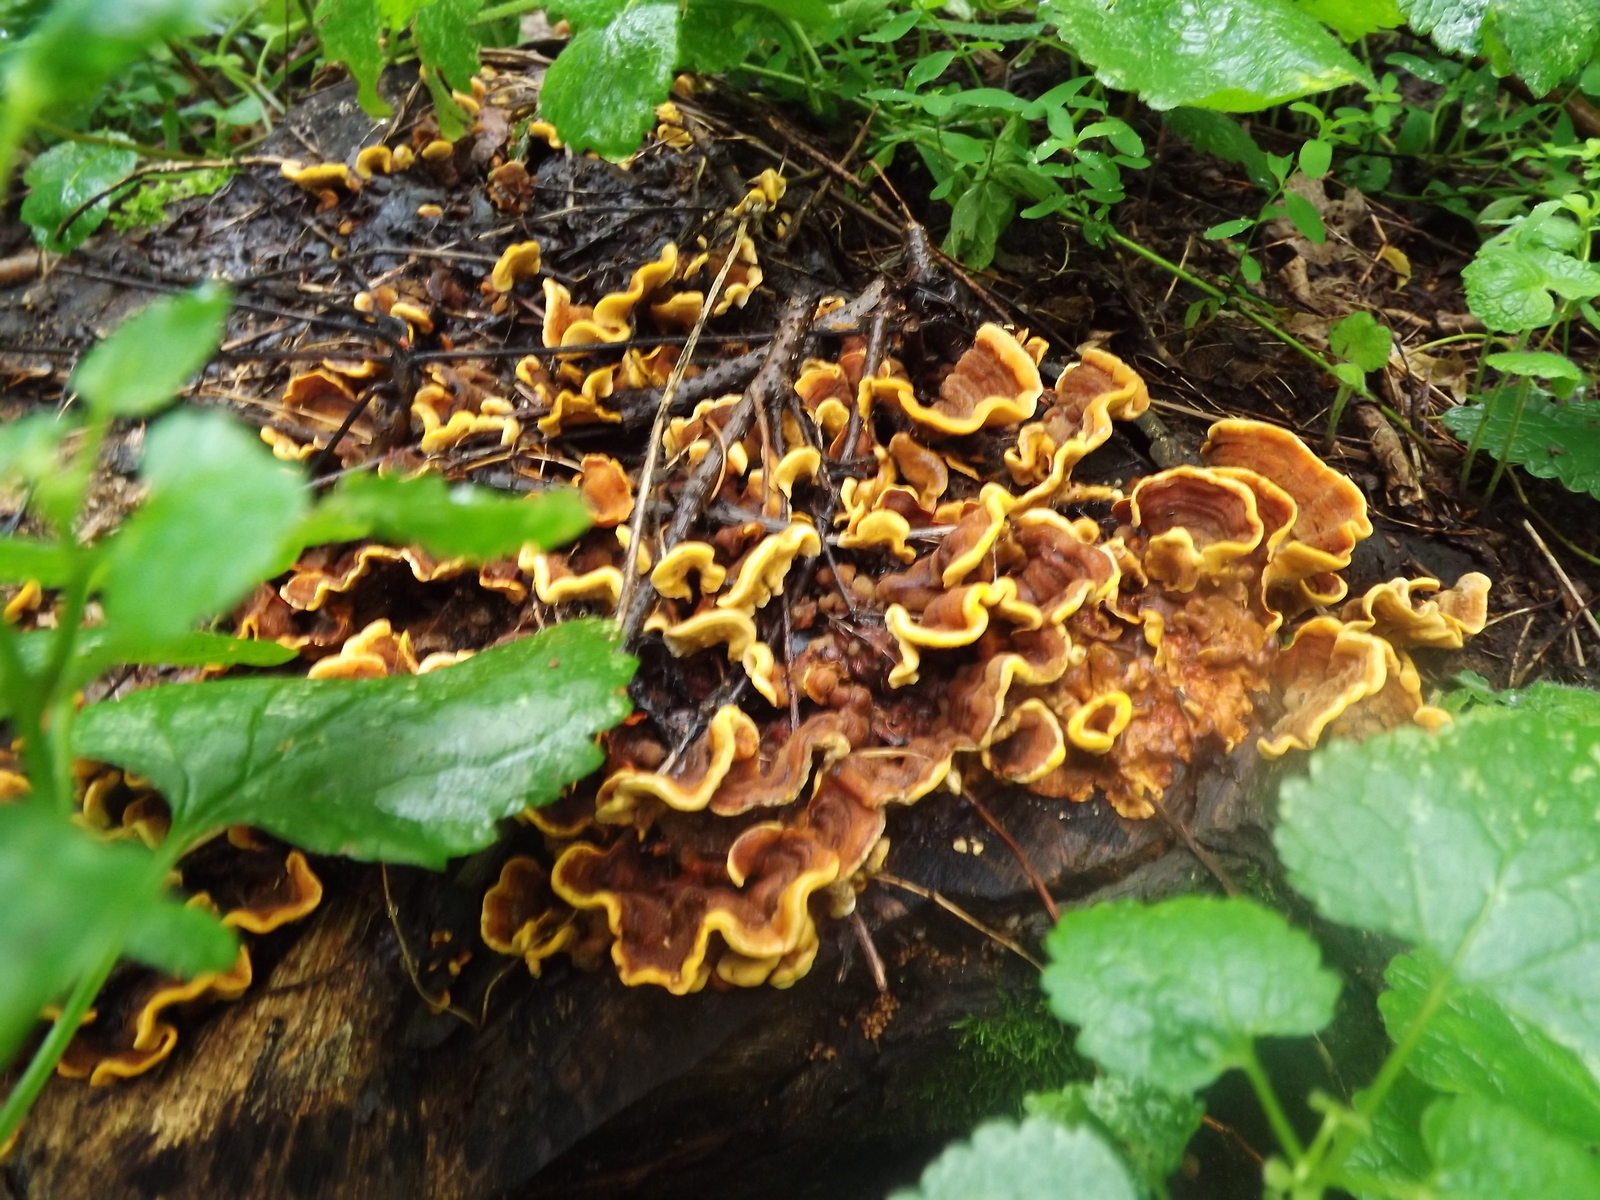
(1472, 1045)
(414, 768)
(1035, 1160)
(1541, 364)
(602, 90)
(1234, 55)
(1478, 844)
(714, 36)
(217, 521)
(1361, 340)
(1392, 1156)
(70, 901)
(1543, 41)
(1553, 440)
(351, 33)
(1352, 19)
(1509, 287)
(153, 354)
(1486, 1151)
(1149, 1126)
(1175, 993)
(447, 42)
(65, 176)
(22, 559)
(446, 521)
(1215, 133)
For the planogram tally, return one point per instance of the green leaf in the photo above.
(1486, 1151)
(1509, 287)
(1543, 41)
(980, 216)
(151, 356)
(22, 560)
(30, 447)
(1541, 364)
(602, 90)
(446, 521)
(1305, 216)
(1228, 229)
(351, 33)
(1478, 844)
(1234, 55)
(65, 176)
(1553, 441)
(1392, 1156)
(1031, 1161)
(1316, 156)
(1174, 993)
(446, 40)
(220, 511)
(79, 45)
(1221, 135)
(413, 768)
(929, 68)
(70, 901)
(1472, 1045)
(714, 36)
(1149, 1126)
(1352, 19)
(1361, 340)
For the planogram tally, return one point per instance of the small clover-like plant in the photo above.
(1479, 848)
(412, 769)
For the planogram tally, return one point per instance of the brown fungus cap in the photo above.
(996, 383)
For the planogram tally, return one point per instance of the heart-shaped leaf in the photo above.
(1036, 1159)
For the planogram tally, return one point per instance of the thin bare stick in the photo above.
(1207, 859)
(1566, 582)
(874, 961)
(658, 429)
(960, 914)
(1017, 852)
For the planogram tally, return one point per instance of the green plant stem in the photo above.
(1276, 1117)
(1511, 433)
(1330, 1148)
(95, 139)
(54, 1045)
(512, 8)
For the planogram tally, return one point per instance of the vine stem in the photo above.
(55, 1044)
(1276, 1117)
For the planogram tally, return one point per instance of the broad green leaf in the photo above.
(71, 900)
(1036, 1160)
(1151, 1127)
(351, 33)
(602, 90)
(1361, 340)
(895, 28)
(1478, 844)
(446, 521)
(1553, 440)
(79, 45)
(1543, 41)
(1175, 993)
(447, 43)
(1316, 156)
(1305, 216)
(220, 511)
(153, 354)
(1509, 287)
(1234, 55)
(1218, 134)
(1542, 364)
(22, 560)
(413, 768)
(30, 447)
(1486, 1151)
(715, 36)
(1352, 19)
(929, 67)
(65, 176)
(1392, 1156)
(1473, 1045)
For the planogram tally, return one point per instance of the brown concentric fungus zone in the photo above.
(1016, 640)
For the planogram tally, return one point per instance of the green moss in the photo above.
(999, 1057)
